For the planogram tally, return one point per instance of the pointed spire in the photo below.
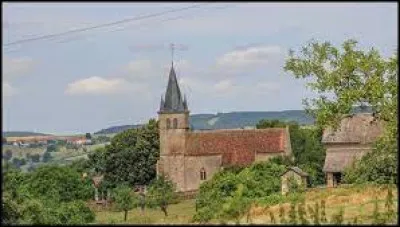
(185, 106)
(173, 99)
(162, 103)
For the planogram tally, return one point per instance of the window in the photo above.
(202, 174)
(168, 123)
(175, 123)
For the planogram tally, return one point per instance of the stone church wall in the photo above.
(193, 165)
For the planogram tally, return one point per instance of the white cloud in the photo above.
(97, 85)
(139, 69)
(267, 87)
(8, 90)
(251, 57)
(17, 66)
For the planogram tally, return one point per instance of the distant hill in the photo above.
(235, 120)
(23, 134)
(229, 120)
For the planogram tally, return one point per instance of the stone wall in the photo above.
(193, 165)
(173, 166)
(285, 181)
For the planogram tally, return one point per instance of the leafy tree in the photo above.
(307, 149)
(131, 157)
(66, 183)
(236, 206)
(353, 77)
(35, 158)
(10, 213)
(47, 156)
(162, 193)
(88, 136)
(8, 155)
(75, 212)
(124, 199)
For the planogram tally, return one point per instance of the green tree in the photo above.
(132, 155)
(124, 199)
(60, 183)
(10, 213)
(47, 156)
(352, 77)
(8, 155)
(88, 136)
(161, 193)
(236, 206)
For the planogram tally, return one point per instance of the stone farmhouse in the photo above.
(189, 157)
(349, 142)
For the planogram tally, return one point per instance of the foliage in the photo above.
(88, 136)
(162, 193)
(52, 148)
(47, 156)
(35, 157)
(8, 155)
(236, 205)
(131, 157)
(60, 183)
(260, 181)
(294, 186)
(125, 199)
(10, 213)
(308, 152)
(97, 160)
(353, 77)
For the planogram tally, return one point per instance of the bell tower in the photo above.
(173, 120)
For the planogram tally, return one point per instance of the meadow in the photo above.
(356, 200)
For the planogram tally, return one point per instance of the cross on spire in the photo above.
(172, 46)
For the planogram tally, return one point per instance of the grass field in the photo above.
(357, 202)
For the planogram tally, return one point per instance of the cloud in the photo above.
(224, 86)
(17, 66)
(139, 69)
(8, 90)
(96, 86)
(248, 58)
(267, 87)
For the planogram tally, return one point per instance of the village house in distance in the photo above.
(352, 140)
(190, 157)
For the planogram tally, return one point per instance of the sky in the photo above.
(229, 57)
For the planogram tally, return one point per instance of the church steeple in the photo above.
(173, 99)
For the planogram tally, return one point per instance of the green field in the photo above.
(357, 202)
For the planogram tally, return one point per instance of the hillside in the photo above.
(358, 201)
(23, 134)
(235, 120)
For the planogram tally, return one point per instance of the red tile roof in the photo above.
(237, 146)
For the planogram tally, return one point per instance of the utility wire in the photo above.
(130, 26)
(103, 25)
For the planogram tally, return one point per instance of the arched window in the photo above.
(168, 123)
(203, 174)
(175, 123)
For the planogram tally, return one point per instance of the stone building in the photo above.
(300, 177)
(349, 142)
(190, 157)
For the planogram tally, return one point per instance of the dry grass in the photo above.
(180, 213)
(356, 201)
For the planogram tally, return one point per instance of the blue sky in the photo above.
(233, 62)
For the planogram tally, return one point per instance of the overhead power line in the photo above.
(103, 25)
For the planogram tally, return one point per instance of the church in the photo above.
(189, 157)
